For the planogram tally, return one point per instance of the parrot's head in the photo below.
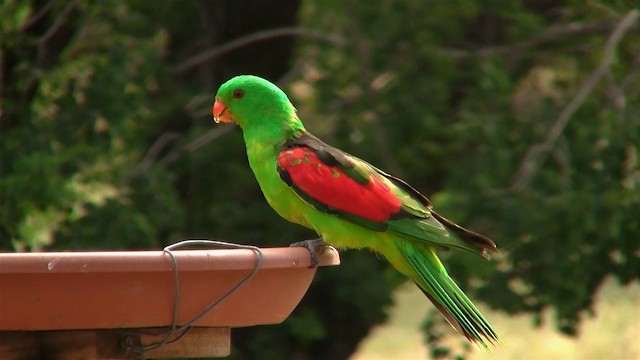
(254, 103)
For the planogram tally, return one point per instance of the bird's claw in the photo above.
(311, 245)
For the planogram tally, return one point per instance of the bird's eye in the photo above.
(238, 94)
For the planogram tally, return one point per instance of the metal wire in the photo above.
(177, 331)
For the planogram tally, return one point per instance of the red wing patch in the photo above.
(332, 187)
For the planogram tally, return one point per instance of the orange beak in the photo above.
(220, 112)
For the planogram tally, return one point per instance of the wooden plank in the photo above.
(108, 344)
(19, 345)
(79, 344)
(196, 343)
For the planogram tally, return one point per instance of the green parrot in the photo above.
(347, 201)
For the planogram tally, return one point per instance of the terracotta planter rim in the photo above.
(136, 289)
(154, 261)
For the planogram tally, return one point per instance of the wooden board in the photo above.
(112, 344)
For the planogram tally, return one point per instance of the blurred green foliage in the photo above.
(107, 143)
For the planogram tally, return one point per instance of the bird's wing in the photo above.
(345, 186)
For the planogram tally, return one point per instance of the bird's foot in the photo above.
(311, 245)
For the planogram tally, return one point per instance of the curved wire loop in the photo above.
(175, 332)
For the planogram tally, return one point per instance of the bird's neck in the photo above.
(263, 147)
(271, 138)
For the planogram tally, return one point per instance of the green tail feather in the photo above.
(431, 231)
(433, 280)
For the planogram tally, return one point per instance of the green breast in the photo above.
(281, 198)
